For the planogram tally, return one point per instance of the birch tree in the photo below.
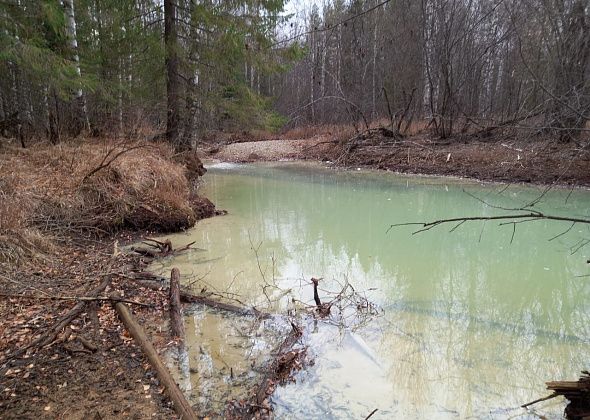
(73, 46)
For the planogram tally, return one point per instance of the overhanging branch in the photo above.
(529, 216)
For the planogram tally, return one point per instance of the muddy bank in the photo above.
(65, 212)
(92, 369)
(539, 161)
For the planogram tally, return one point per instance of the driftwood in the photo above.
(176, 322)
(50, 335)
(282, 364)
(322, 308)
(181, 405)
(212, 303)
(161, 248)
(577, 393)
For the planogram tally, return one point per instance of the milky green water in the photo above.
(474, 321)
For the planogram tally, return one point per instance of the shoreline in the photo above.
(353, 169)
(544, 167)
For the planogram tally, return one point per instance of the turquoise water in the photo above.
(474, 321)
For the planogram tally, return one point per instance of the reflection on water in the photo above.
(474, 322)
(224, 355)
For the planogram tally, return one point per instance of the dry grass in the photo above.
(46, 193)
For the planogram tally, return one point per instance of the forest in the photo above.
(238, 209)
(185, 68)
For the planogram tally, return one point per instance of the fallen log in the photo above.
(188, 297)
(181, 405)
(176, 322)
(212, 303)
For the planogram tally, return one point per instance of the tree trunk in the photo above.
(311, 77)
(53, 119)
(374, 73)
(80, 100)
(120, 98)
(571, 102)
(172, 76)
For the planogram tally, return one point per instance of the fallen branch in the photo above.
(75, 298)
(181, 405)
(161, 248)
(50, 335)
(279, 371)
(371, 414)
(106, 162)
(538, 400)
(529, 216)
(322, 308)
(283, 361)
(191, 298)
(577, 393)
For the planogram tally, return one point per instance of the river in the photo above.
(472, 322)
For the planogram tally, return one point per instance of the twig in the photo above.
(371, 414)
(106, 162)
(539, 400)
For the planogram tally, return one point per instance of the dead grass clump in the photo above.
(17, 240)
(143, 189)
(17, 246)
(89, 188)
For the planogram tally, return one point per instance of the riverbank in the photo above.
(510, 160)
(65, 213)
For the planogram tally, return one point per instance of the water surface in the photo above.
(474, 321)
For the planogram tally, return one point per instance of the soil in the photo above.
(538, 161)
(65, 379)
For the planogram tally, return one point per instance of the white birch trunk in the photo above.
(311, 87)
(73, 45)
